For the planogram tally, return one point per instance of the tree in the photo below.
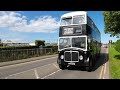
(1, 44)
(39, 42)
(112, 22)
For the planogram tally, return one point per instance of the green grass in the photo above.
(114, 57)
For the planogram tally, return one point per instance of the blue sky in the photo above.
(28, 26)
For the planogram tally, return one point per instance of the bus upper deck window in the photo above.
(79, 19)
(66, 21)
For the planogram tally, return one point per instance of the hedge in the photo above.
(117, 46)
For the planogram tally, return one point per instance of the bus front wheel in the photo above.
(62, 66)
(90, 66)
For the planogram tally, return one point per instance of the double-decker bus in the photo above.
(79, 41)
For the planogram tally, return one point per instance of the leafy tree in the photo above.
(1, 44)
(39, 42)
(112, 22)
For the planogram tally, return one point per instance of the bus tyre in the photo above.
(62, 66)
(90, 66)
(93, 61)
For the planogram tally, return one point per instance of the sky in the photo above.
(28, 26)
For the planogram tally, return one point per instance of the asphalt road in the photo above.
(48, 69)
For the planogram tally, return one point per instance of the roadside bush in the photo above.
(54, 48)
(14, 48)
(17, 53)
(1, 44)
(117, 45)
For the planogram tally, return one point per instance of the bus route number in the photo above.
(68, 31)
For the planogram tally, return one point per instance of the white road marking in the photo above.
(105, 66)
(29, 70)
(50, 74)
(104, 71)
(38, 60)
(17, 73)
(36, 74)
(100, 77)
(56, 66)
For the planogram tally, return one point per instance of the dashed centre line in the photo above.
(35, 70)
(36, 74)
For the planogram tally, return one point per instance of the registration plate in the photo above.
(71, 63)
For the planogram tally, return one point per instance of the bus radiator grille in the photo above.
(71, 56)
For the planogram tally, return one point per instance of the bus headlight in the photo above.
(81, 57)
(62, 57)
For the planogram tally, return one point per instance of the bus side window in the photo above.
(89, 31)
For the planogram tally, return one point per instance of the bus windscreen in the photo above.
(79, 42)
(74, 42)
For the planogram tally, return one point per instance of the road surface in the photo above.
(48, 69)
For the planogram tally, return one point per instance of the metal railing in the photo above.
(17, 54)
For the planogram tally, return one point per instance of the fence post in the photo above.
(0, 56)
(51, 50)
(37, 52)
(12, 55)
(45, 50)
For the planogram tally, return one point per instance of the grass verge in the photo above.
(114, 57)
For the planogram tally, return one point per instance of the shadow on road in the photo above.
(117, 57)
(102, 59)
(76, 68)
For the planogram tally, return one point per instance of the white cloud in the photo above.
(8, 19)
(17, 22)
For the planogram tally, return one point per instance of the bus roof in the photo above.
(74, 13)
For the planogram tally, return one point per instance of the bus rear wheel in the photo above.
(62, 66)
